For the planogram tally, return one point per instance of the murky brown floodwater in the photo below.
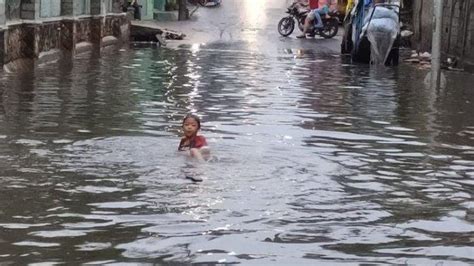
(316, 160)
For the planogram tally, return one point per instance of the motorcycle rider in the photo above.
(303, 5)
(323, 8)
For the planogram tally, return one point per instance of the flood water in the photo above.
(315, 160)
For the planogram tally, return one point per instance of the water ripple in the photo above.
(314, 160)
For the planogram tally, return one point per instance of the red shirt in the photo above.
(196, 142)
(313, 4)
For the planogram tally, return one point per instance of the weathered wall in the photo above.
(113, 26)
(2, 44)
(19, 42)
(28, 8)
(2, 12)
(83, 30)
(67, 7)
(12, 9)
(93, 30)
(35, 37)
(422, 24)
(66, 42)
(458, 29)
(96, 7)
(117, 6)
(47, 36)
(458, 24)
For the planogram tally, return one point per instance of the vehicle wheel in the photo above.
(301, 24)
(396, 57)
(286, 26)
(346, 45)
(343, 48)
(202, 2)
(330, 29)
(361, 54)
(393, 57)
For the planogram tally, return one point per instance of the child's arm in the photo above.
(201, 151)
(196, 153)
(181, 144)
(205, 152)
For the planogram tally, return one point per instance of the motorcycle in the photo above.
(286, 26)
(205, 2)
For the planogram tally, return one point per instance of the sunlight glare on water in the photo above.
(255, 18)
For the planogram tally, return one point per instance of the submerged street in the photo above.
(315, 159)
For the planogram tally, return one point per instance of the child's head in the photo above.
(191, 125)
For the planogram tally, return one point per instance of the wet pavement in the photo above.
(315, 159)
(252, 24)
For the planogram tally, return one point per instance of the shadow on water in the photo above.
(363, 165)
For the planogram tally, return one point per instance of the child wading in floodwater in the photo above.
(196, 145)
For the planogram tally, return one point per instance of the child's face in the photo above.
(190, 127)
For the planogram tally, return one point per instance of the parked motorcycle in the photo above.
(286, 26)
(205, 2)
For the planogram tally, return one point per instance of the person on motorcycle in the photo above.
(323, 8)
(302, 5)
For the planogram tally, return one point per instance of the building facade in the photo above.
(39, 29)
(156, 9)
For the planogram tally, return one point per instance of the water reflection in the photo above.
(363, 165)
(254, 18)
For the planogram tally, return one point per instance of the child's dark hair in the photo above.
(195, 117)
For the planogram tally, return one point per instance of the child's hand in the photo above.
(197, 154)
(205, 152)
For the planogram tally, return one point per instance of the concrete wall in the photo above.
(458, 29)
(19, 42)
(50, 8)
(12, 9)
(30, 9)
(422, 24)
(67, 7)
(3, 17)
(147, 10)
(24, 33)
(82, 7)
(458, 24)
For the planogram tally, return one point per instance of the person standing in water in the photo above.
(195, 144)
(137, 14)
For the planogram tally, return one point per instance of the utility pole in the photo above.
(183, 12)
(436, 44)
